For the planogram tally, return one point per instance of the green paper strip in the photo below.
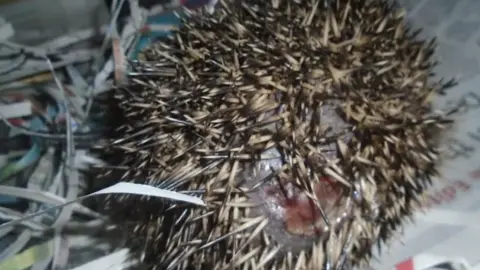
(28, 257)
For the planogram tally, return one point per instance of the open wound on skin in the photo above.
(300, 214)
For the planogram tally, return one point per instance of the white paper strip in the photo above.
(115, 261)
(119, 188)
(6, 30)
(15, 110)
(146, 190)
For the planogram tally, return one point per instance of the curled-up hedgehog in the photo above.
(306, 127)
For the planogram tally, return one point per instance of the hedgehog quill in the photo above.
(306, 127)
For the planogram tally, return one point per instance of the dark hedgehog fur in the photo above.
(339, 94)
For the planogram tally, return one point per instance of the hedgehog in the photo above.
(306, 127)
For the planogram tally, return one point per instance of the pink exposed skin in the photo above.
(300, 214)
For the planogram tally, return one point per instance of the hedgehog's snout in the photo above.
(301, 214)
(296, 217)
